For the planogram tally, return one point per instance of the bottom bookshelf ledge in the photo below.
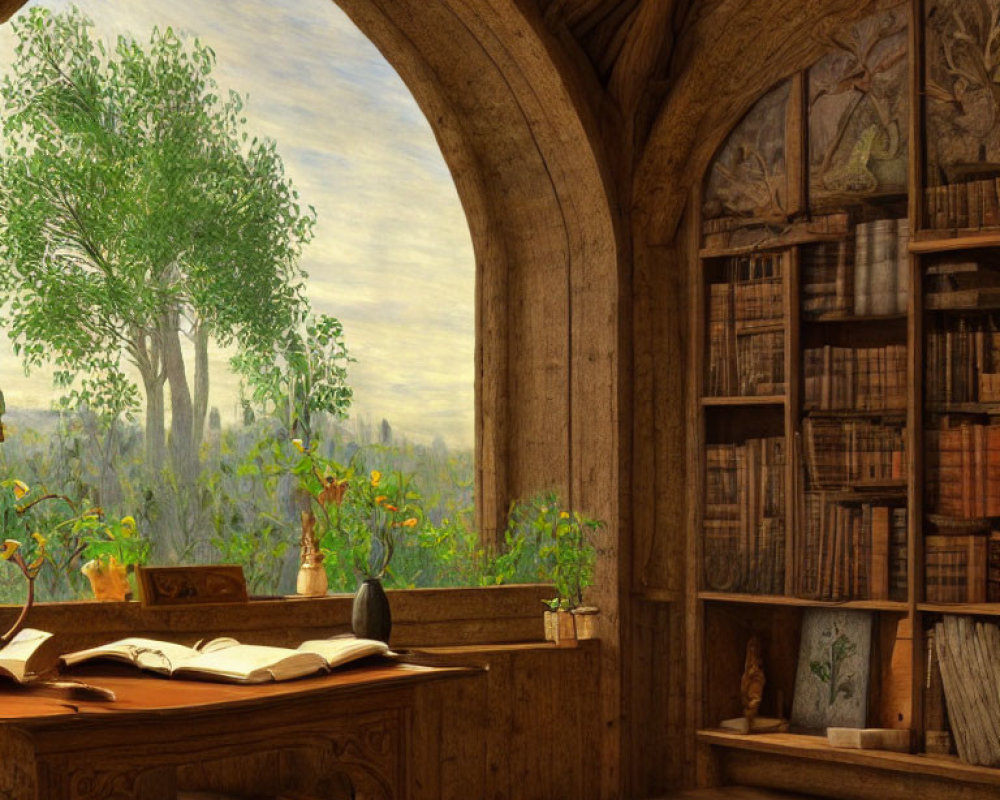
(816, 748)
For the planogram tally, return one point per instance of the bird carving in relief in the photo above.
(752, 683)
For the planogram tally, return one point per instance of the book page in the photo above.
(343, 649)
(151, 654)
(250, 663)
(16, 657)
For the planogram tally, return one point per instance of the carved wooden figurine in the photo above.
(312, 575)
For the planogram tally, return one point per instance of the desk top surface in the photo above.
(143, 692)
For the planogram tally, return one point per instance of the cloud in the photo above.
(392, 256)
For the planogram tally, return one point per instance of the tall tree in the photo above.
(135, 209)
(303, 374)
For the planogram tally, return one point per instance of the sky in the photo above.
(392, 256)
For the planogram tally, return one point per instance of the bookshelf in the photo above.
(846, 349)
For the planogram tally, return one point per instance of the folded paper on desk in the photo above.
(28, 655)
(227, 660)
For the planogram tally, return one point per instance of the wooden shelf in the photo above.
(747, 400)
(940, 242)
(800, 602)
(963, 408)
(827, 319)
(980, 609)
(816, 748)
(771, 244)
(750, 328)
(852, 413)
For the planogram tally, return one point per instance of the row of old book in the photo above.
(964, 206)
(854, 378)
(962, 568)
(853, 453)
(852, 550)
(744, 518)
(963, 470)
(746, 340)
(867, 275)
(962, 360)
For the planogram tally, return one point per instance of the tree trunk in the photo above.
(182, 456)
(200, 386)
(156, 440)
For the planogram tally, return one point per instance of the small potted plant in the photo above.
(557, 543)
(112, 549)
(571, 557)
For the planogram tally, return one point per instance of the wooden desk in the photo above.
(308, 738)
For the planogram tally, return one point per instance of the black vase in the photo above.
(370, 618)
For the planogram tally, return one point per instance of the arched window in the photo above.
(353, 333)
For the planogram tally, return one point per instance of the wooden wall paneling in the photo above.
(656, 705)
(542, 719)
(448, 741)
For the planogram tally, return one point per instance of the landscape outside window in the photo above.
(235, 272)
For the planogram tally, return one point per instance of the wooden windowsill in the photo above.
(421, 617)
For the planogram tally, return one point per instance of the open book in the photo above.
(227, 660)
(27, 655)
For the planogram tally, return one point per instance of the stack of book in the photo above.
(850, 550)
(881, 267)
(744, 519)
(963, 470)
(963, 206)
(955, 568)
(962, 360)
(828, 279)
(962, 284)
(746, 341)
(849, 378)
(853, 453)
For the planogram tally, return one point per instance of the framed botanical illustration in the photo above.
(831, 681)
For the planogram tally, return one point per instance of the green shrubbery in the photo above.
(395, 509)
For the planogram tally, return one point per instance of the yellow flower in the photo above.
(128, 525)
(563, 515)
(20, 489)
(410, 523)
(9, 548)
(298, 445)
(376, 477)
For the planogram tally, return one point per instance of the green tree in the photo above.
(302, 374)
(135, 210)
